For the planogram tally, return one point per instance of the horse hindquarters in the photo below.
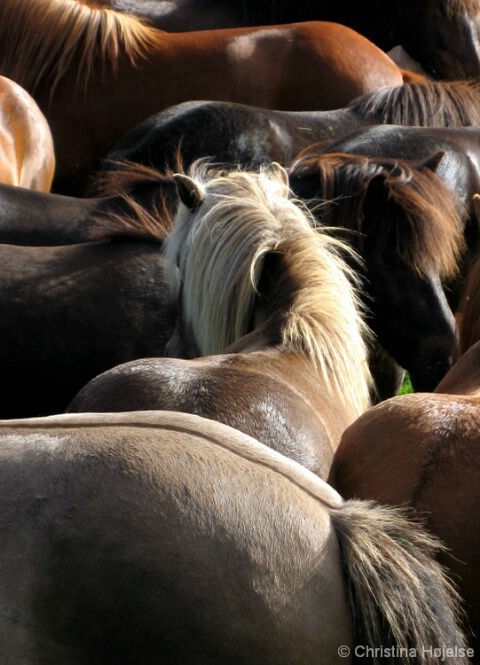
(165, 537)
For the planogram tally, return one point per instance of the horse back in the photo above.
(135, 520)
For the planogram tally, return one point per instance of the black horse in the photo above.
(234, 134)
(28, 217)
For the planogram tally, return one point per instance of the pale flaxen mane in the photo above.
(221, 248)
(41, 39)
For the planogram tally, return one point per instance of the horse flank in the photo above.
(413, 194)
(221, 249)
(69, 30)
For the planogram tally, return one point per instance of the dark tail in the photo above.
(405, 609)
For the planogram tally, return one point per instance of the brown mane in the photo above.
(125, 175)
(139, 223)
(423, 103)
(70, 31)
(412, 194)
(457, 7)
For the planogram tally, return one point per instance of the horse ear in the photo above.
(433, 161)
(189, 193)
(279, 172)
(476, 205)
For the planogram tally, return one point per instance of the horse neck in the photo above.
(464, 376)
(320, 375)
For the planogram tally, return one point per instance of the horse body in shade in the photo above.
(35, 218)
(233, 134)
(71, 312)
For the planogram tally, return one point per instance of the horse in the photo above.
(469, 307)
(269, 337)
(408, 229)
(27, 156)
(459, 169)
(422, 450)
(71, 312)
(45, 219)
(96, 73)
(234, 134)
(442, 35)
(166, 537)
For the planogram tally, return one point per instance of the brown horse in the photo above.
(459, 169)
(468, 316)
(269, 314)
(168, 538)
(97, 73)
(423, 449)
(27, 156)
(71, 312)
(408, 227)
(442, 35)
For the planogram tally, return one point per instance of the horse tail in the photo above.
(405, 608)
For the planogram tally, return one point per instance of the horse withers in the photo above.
(269, 336)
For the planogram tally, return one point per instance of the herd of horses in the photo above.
(228, 229)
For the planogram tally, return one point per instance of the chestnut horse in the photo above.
(71, 312)
(97, 73)
(442, 35)
(238, 134)
(269, 339)
(27, 156)
(408, 227)
(469, 307)
(424, 449)
(167, 538)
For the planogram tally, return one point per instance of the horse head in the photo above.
(406, 227)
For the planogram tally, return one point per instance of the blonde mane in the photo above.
(221, 249)
(40, 40)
